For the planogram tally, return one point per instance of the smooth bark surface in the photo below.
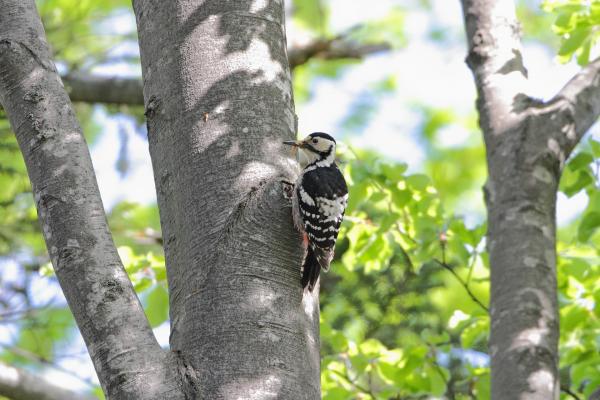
(18, 384)
(527, 142)
(219, 103)
(128, 360)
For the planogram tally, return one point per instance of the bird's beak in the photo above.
(295, 143)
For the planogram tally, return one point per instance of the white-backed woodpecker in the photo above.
(319, 200)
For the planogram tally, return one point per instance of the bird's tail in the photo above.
(310, 270)
(317, 259)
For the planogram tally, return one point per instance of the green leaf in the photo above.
(587, 227)
(574, 41)
(437, 382)
(372, 348)
(564, 22)
(418, 181)
(394, 172)
(482, 386)
(475, 332)
(392, 373)
(338, 342)
(572, 182)
(378, 196)
(581, 160)
(583, 53)
(359, 362)
(44, 330)
(312, 15)
(337, 393)
(572, 317)
(595, 145)
(157, 306)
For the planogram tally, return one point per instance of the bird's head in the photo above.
(317, 148)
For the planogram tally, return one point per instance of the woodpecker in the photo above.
(319, 200)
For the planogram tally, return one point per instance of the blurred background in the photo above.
(404, 309)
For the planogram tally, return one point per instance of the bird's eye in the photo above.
(315, 141)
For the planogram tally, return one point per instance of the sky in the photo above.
(425, 72)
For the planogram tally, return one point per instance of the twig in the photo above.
(463, 283)
(352, 382)
(569, 392)
(472, 265)
(436, 366)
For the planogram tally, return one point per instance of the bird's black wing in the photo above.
(323, 204)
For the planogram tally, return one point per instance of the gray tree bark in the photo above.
(219, 104)
(527, 142)
(128, 360)
(218, 101)
(100, 89)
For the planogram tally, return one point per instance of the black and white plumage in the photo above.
(318, 203)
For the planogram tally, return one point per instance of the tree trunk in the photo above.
(218, 101)
(128, 360)
(527, 142)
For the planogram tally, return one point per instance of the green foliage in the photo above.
(537, 23)
(579, 274)
(83, 45)
(42, 334)
(136, 229)
(386, 326)
(576, 22)
(397, 319)
(311, 15)
(577, 175)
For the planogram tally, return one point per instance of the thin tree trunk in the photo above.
(219, 103)
(128, 360)
(527, 142)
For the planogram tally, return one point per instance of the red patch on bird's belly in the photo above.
(304, 240)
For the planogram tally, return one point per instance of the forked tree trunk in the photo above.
(128, 360)
(218, 100)
(527, 142)
(219, 103)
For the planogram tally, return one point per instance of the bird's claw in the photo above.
(288, 189)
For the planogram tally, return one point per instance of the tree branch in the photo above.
(337, 48)
(18, 384)
(464, 284)
(127, 358)
(571, 393)
(99, 89)
(128, 91)
(582, 97)
(495, 58)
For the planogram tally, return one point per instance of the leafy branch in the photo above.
(463, 283)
